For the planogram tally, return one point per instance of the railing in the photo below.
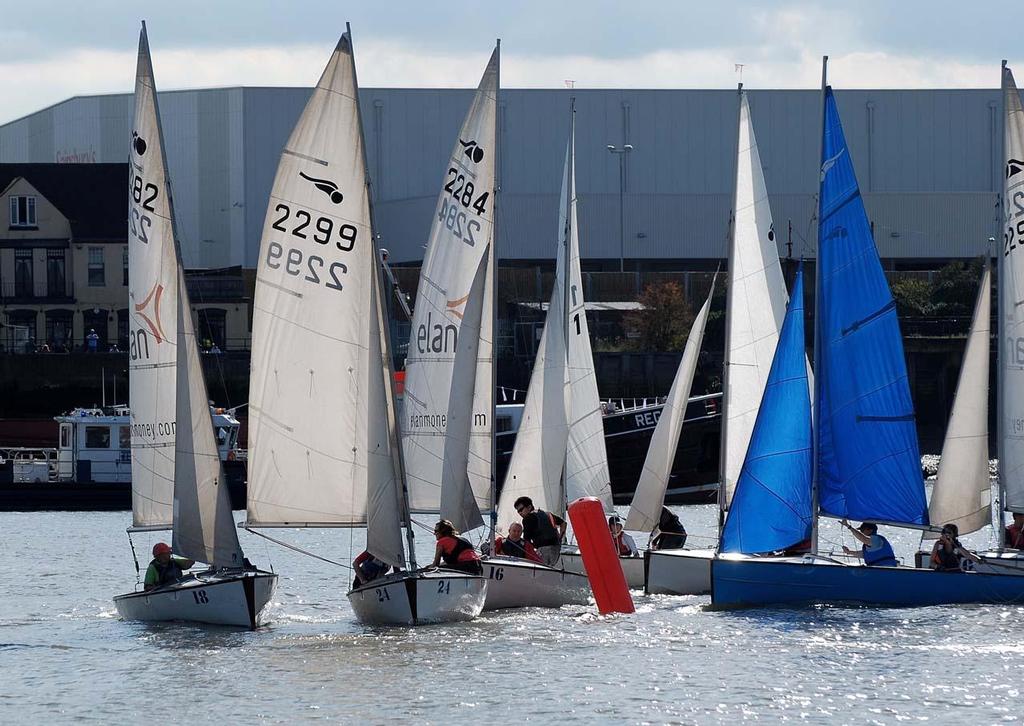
(13, 293)
(210, 289)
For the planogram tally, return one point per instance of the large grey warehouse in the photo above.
(927, 161)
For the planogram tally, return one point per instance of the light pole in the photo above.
(621, 152)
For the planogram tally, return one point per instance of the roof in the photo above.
(93, 197)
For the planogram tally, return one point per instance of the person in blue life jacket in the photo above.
(165, 569)
(948, 555)
(875, 549)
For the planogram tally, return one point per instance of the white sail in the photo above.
(321, 444)
(962, 493)
(440, 416)
(539, 454)
(649, 498)
(586, 460)
(1011, 305)
(153, 306)
(755, 305)
(204, 529)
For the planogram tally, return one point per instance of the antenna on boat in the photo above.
(816, 438)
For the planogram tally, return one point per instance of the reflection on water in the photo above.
(65, 654)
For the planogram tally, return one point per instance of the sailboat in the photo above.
(559, 452)
(325, 449)
(448, 406)
(962, 493)
(866, 463)
(177, 481)
(755, 308)
(645, 510)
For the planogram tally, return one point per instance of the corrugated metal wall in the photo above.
(927, 162)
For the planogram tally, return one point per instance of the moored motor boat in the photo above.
(216, 597)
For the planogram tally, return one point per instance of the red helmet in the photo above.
(161, 548)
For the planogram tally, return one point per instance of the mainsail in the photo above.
(962, 493)
(755, 305)
(771, 508)
(561, 428)
(153, 306)
(868, 461)
(448, 351)
(1011, 305)
(649, 498)
(322, 450)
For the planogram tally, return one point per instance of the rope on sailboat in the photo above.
(295, 548)
(138, 574)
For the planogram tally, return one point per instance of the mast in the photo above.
(378, 280)
(999, 493)
(730, 258)
(570, 194)
(816, 419)
(494, 310)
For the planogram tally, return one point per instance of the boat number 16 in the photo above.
(496, 573)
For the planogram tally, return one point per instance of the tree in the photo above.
(664, 321)
(913, 297)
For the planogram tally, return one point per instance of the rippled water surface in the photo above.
(65, 655)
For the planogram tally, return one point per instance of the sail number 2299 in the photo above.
(312, 268)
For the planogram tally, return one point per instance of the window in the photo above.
(124, 437)
(23, 211)
(65, 436)
(23, 278)
(55, 277)
(212, 328)
(95, 321)
(97, 437)
(58, 329)
(124, 266)
(97, 274)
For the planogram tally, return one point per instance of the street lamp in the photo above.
(621, 152)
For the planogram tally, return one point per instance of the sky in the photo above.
(51, 50)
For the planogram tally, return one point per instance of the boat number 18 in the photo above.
(200, 597)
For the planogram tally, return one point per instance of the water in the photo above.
(65, 655)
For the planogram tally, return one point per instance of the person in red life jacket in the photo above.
(368, 568)
(624, 544)
(515, 546)
(165, 569)
(1015, 532)
(948, 554)
(455, 551)
(875, 549)
(542, 529)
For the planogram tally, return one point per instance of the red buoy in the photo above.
(599, 556)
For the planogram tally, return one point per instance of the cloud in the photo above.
(30, 85)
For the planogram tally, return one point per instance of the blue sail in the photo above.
(771, 508)
(869, 466)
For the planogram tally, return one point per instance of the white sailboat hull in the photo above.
(678, 572)
(515, 583)
(219, 598)
(434, 596)
(632, 568)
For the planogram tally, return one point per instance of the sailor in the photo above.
(670, 534)
(457, 552)
(368, 568)
(625, 546)
(875, 549)
(165, 569)
(92, 340)
(515, 546)
(948, 554)
(542, 529)
(1015, 532)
